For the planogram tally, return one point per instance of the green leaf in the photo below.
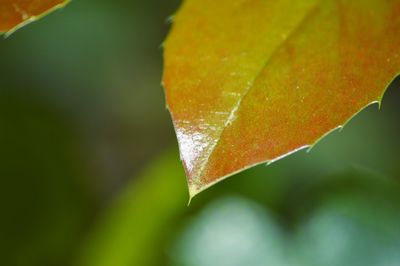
(135, 224)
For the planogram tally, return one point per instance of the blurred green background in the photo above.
(90, 172)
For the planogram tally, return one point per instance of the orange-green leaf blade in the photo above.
(17, 13)
(250, 81)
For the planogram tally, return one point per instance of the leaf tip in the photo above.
(193, 191)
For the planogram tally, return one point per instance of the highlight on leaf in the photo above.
(15, 14)
(249, 82)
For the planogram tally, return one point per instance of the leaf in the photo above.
(251, 81)
(133, 229)
(15, 14)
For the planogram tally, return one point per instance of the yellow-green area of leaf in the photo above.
(15, 14)
(251, 81)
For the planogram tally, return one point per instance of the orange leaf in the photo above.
(17, 13)
(251, 81)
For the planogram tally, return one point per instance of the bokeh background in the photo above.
(90, 172)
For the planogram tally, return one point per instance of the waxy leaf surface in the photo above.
(250, 81)
(17, 13)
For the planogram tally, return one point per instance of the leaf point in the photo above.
(195, 190)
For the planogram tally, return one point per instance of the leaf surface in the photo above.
(17, 13)
(251, 81)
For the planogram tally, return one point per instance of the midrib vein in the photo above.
(235, 108)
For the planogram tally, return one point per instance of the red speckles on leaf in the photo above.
(252, 81)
